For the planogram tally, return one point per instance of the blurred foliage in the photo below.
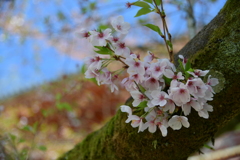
(53, 117)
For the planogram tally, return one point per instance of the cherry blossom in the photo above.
(163, 93)
(99, 38)
(184, 60)
(135, 67)
(149, 58)
(162, 125)
(180, 95)
(169, 74)
(128, 110)
(138, 97)
(196, 87)
(198, 73)
(119, 25)
(122, 50)
(204, 111)
(192, 103)
(129, 84)
(83, 33)
(151, 83)
(170, 106)
(159, 98)
(157, 69)
(176, 122)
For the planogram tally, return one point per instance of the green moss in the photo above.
(223, 48)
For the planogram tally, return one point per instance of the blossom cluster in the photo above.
(164, 93)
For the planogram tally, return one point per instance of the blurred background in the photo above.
(46, 105)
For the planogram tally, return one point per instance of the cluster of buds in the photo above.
(164, 93)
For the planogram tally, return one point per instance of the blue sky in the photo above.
(33, 62)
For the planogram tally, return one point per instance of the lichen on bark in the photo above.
(216, 48)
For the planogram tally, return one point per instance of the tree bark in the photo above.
(216, 47)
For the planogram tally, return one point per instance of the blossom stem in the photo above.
(167, 36)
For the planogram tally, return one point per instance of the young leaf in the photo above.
(103, 50)
(154, 28)
(158, 2)
(27, 128)
(61, 16)
(169, 44)
(42, 148)
(149, 1)
(143, 11)
(142, 105)
(83, 69)
(188, 66)
(35, 125)
(64, 105)
(58, 96)
(103, 27)
(12, 137)
(141, 4)
(167, 80)
(181, 65)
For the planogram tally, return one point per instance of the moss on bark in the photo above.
(216, 48)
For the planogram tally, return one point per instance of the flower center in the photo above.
(182, 91)
(119, 27)
(175, 77)
(157, 69)
(86, 34)
(115, 39)
(141, 97)
(190, 83)
(153, 80)
(100, 35)
(122, 45)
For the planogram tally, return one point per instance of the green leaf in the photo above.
(27, 128)
(93, 80)
(103, 50)
(21, 140)
(61, 16)
(158, 2)
(46, 112)
(12, 137)
(103, 27)
(58, 96)
(65, 106)
(154, 28)
(35, 125)
(143, 11)
(142, 105)
(142, 88)
(149, 1)
(141, 4)
(84, 10)
(188, 66)
(92, 5)
(169, 44)
(83, 69)
(167, 80)
(181, 66)
(42, 148)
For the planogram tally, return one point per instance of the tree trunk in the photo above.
(216, 47)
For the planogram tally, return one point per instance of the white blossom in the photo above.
(176, 122)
